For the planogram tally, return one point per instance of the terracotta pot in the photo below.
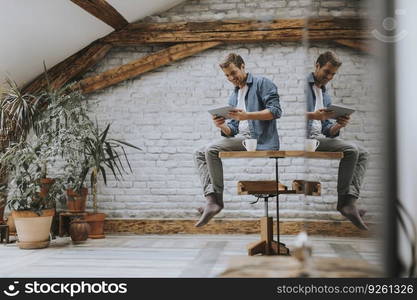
(45, 185)
(79, 230)
(76, 201)
(30, 214)
(33, 230)
(96, 222)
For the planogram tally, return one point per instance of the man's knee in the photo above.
(212, 149)
(199, 152)
(363, 154)
(351, 150)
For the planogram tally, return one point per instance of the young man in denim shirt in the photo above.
(319, 126)
(257, 106)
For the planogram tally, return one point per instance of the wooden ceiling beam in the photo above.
(103, 11)
(72, 67)
(287, 30)
(142, 65)
(359, 45)
(196, 36)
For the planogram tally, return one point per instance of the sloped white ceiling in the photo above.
(33, 31)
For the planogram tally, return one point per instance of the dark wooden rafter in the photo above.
(195, 37)
(225, 31)
(325, 29)
(104, 12)
(143, 65)
(288, 30)
(360, 45)
(72, 67)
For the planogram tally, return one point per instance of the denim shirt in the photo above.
(311, 104)
(262, 94)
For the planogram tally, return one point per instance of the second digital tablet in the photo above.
(222, 111)
(340, 110)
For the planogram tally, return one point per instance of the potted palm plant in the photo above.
(102, 153)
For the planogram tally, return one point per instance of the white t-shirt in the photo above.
(243, 125)
(316, 124)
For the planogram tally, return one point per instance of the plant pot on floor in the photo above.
(96, 222)
(76, 201)
(33, 230)
(79, 230)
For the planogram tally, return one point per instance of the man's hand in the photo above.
(321, 114)
(340, 123)
(343, 121)
(218, 121)
(238, 115)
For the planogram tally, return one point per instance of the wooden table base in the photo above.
(267, 246)
(4, 233)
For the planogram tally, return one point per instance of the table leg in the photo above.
(277, 191)
(279, 247)
(61, 226)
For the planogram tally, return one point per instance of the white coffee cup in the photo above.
(311, 145)
(250, 144)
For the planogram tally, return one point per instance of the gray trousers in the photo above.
(209, 165)
(352, 166)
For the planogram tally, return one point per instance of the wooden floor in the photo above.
(158, 255)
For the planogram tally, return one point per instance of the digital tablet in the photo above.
(222, 111)
(340, 110)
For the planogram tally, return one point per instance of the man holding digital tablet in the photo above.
(256, 106)
(324, 125)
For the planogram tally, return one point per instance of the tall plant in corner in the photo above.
(26, 155)
(25, 158)
(100, 153)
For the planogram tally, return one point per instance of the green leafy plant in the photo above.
(63, 133)
(103, 153)
(64, 126)
(53, 116)
(18, 111)
(25, 163)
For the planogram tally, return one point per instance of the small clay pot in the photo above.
(79, 230)
(76, 201)
(96, 222)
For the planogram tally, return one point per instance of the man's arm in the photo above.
(269, 94)
(226, 129)
(335, 129)
(241, 115)
(320, 114)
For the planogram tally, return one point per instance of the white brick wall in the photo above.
(165, 113)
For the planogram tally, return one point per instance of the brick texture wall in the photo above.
(165, 113)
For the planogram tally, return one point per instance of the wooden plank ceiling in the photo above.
(185, 39)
